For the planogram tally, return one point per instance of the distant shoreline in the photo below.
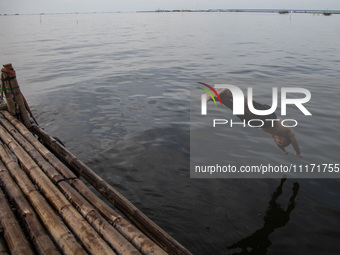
(280, 11)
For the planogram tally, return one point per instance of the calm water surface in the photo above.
(115, 89)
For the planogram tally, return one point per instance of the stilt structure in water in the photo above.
(45, 207)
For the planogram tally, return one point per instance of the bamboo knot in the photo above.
(116, 220)
(66, 179)
(25, 213)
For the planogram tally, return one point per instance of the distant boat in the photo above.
(327, 13)
(283, 12)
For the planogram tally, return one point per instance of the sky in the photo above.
(70, 6)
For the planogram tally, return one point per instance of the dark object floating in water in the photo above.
(283, 12)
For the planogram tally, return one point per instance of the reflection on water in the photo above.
(276, 217)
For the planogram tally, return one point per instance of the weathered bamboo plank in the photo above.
(37, 233)
(138, 239)
(80, 227)
(13, 234)
(109, 233)
(169, 244)
(55, 226)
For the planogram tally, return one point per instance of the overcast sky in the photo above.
(62, 6)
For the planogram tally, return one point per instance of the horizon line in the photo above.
(333, 11)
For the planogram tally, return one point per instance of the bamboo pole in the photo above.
(38, 235)
(80, 227)
(131, 233)
(157, 234)
(13, 234)
(12, 86)
(109, 233)
(54, 225)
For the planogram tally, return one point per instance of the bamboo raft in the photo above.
(45, 208)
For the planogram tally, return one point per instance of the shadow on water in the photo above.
(276, 217)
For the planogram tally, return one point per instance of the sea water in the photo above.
(115, 88)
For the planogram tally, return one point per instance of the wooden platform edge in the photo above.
(38, 163)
